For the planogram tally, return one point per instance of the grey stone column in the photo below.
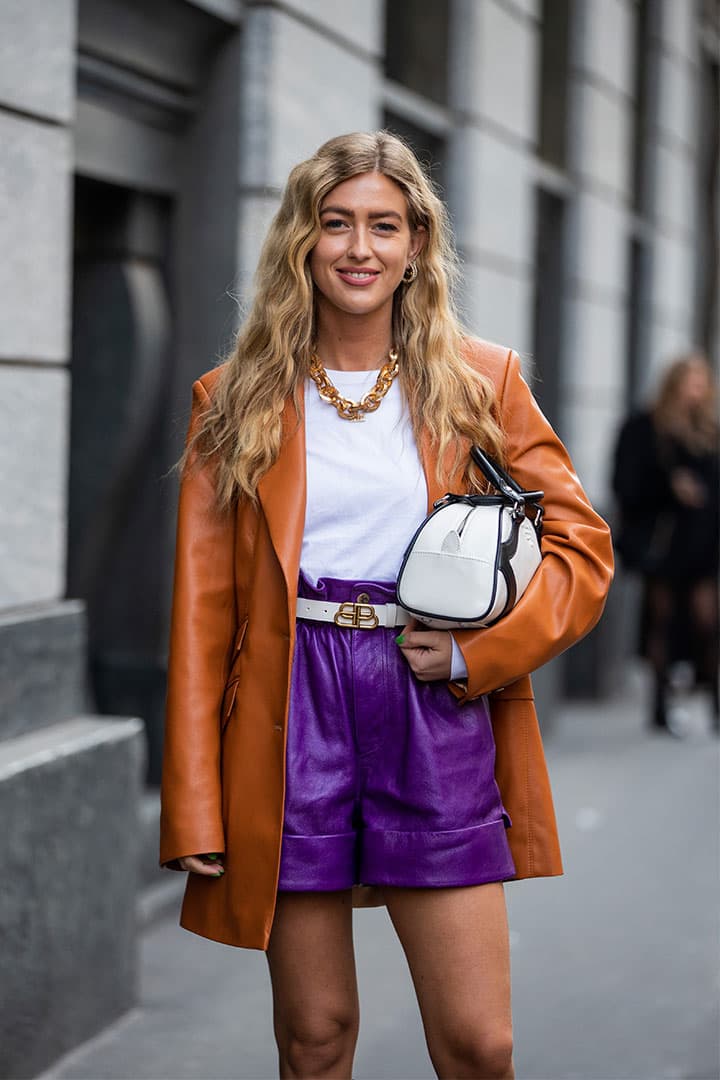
(69, 783)
(309, 71)
(493, 64)
(675, 137)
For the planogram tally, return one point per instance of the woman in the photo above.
(306, 757)
(666, 481)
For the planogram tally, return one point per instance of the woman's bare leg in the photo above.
(312, 970)
(456, 943)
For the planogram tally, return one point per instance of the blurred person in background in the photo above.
(308, 751)
(665, 478)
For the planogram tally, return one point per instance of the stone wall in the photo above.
(69, 786)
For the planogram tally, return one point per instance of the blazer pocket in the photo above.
(230, 692)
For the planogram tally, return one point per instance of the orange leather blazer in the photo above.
(231, 649)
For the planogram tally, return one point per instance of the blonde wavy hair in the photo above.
(695, 426)
(242, 427)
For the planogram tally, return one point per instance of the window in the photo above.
(552, 99)
(416, 46)
(639, 125)
(636, 344)
(707, 318)
(549, 297)
(429, 148)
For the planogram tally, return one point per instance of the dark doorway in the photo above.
(117, 554)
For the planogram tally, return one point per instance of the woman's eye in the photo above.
(386, 226)
(334, 223)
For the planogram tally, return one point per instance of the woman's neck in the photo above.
(353, 344)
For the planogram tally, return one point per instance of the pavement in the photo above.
(615, 965)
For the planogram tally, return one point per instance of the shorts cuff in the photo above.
(317, 863)
(454, 857)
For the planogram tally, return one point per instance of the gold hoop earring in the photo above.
(411, 272)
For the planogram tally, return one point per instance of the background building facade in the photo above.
(143, 150)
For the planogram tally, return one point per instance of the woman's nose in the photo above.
(359, 247)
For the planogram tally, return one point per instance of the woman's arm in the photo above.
(201, 634)
(567, 594)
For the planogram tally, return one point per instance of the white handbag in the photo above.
(474, 556)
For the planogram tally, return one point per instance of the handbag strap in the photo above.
(504, 482)
(521, 500)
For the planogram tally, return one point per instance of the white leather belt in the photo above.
(355, 615)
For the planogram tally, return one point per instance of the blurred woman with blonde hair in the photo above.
(321, 747)
(666, 481)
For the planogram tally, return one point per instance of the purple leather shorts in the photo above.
(388, 781)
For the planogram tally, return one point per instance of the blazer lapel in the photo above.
(429, 459)
(282, 494)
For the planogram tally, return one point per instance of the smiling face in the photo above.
(365, 245)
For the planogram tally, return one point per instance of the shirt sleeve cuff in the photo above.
(458, 668)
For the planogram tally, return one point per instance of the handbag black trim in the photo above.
(522, 503)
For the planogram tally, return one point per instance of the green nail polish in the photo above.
(213, 857)
(400, 639)
(220, 873)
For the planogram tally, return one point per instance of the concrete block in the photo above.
(675, 189)
(678, 27)
(607, 42)
(42, 666)
(256, 68)
(596, 355)
(33, 463)
(285, 117)
(361, 24)
(667, 341)
(69, 799)
(677, 99)
(34, 237)
(490, 191)
(599, 244)
(497, 305)
(602, 125)
(673, 278)
(37, 57)
(590, 431)
(528, 7)
(494, 73)
(257, 211)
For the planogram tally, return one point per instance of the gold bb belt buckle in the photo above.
(359, 615)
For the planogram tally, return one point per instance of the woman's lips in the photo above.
(357, 278)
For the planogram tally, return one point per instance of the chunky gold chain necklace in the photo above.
(354, 410)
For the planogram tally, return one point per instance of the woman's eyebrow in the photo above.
(351, 213)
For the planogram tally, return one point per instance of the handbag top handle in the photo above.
(502, 480)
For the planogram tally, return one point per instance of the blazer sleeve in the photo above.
(567, 594)
(201, 632)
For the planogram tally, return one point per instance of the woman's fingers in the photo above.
(428, 652)
(207, 865)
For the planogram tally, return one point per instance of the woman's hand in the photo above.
(687, 488)
(208, 865)
(428, 652)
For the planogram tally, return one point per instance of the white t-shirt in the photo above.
(366, 489)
